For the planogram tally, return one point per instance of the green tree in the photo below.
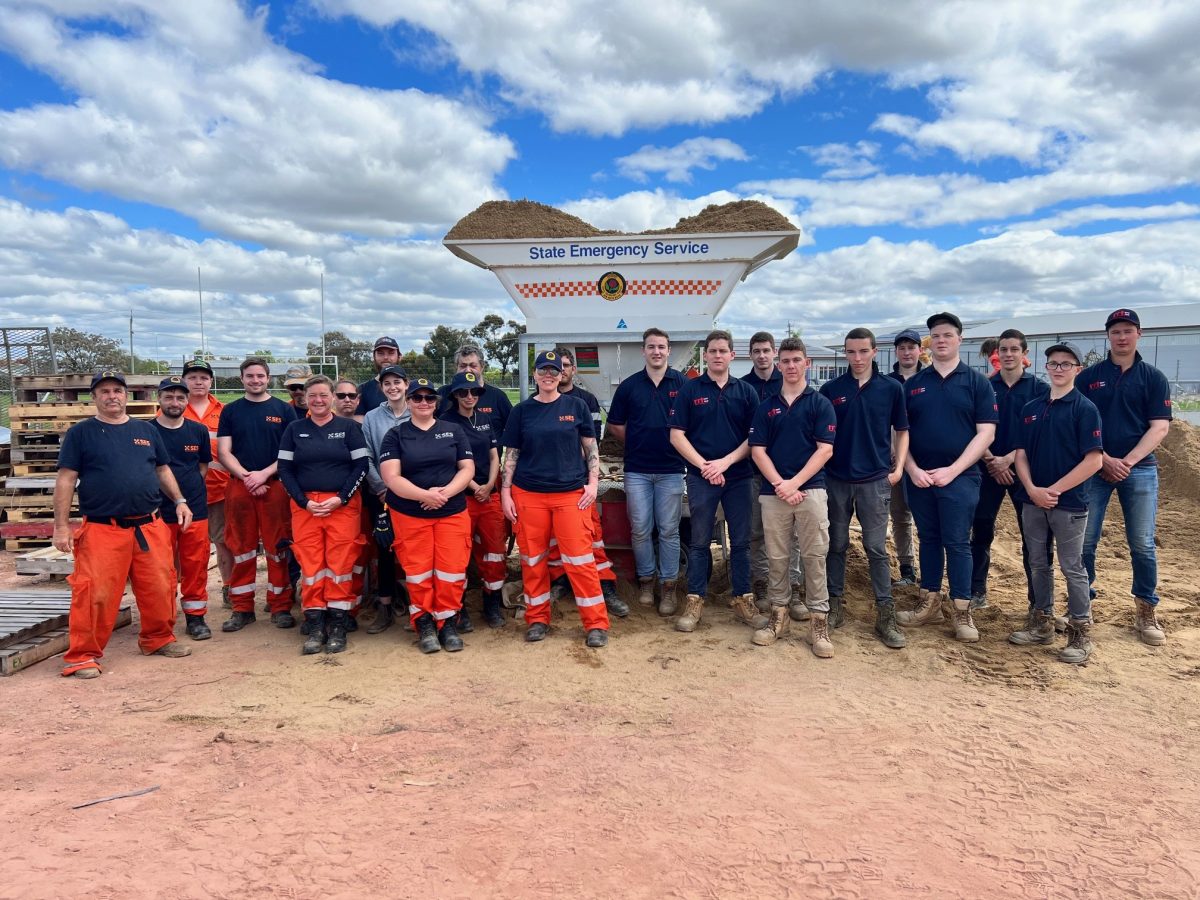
(444, 341)
(418, 365)
(268, 355)
(85, 351)
(507, 347)
(354, 357)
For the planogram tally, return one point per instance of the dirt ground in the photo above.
(666, 765)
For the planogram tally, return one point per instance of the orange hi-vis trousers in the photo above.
(541, 518)
(106, 556)
(434, 554)
(489, 534)
(604, 568)
(190, 549)
(366, 552)
(328, 548)
(247, 519)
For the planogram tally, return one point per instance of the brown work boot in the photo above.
(964, 625)
(761, 600)
(1079, 642)
(669, 604)
(797, 608)
(692, 607)
(776, 627)
(646, 590)
(1146, 624)
(173, 650)
(1039, 629)
(928, 611)
(818, 636)
(744, 610)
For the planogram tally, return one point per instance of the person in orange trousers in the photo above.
(551, 474)
(345, 403)
(322, 464)
(489, 529)
(256, 505)
(204, 407)
(120, 465)
(189, 451)
(426, 464)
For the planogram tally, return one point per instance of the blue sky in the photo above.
(993, 159)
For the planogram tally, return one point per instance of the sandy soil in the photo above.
(666, 765)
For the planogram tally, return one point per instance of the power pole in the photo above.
(200, 294)
(322, 319)
(132, 361)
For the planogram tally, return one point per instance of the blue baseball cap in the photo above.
(395, 371)
(421, 384)
(170, 383)
(548, 359)
(466, 381)
(1122, 315)
(908, 334)
(108, 375)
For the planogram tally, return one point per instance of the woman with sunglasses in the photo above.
(489, 532)
(322, 462)
(551, 474)
(426, 464)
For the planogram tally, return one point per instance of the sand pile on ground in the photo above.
(1179, 462)
(498, 219)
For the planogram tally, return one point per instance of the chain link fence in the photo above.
(23, 351)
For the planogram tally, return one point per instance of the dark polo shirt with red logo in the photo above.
(1056, 435)
(645, 409)
(117, 466)
(943, 413)
(1128, 402)
(791, 432)
(187, 446)
(716, 420)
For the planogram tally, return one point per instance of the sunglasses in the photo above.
(473, 392)
(423, 398)
(548, 370)
(346, 396)
(295, 387)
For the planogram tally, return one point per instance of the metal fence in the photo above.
(23, 351)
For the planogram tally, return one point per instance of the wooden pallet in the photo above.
(26, 614)
(24, 654)
(71, 385)
(46, 561)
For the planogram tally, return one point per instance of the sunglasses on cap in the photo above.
(423, 398)
(346, 395)
(295, 387)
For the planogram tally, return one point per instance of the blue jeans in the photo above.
(943, 516)
(735, 499)
(1138, 495)
(655, 501)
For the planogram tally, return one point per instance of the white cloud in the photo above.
(1085, 215)
(639, 211)
(845, 160)
(194, 108)
(676, 163)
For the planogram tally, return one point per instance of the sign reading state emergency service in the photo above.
(618, 251)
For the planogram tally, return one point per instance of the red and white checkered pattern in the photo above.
(653, 286)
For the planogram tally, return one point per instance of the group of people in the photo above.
(419, 480)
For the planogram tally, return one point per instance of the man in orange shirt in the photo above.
(205, 408)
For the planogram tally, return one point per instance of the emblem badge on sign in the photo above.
(611, 286)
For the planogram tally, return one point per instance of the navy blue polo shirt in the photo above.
(1010, 403)
(256, 428)
(764, 387)
(187, 447)
(548, 436)
(1128, 402)
(494, 404)
(645, 409)
(866, 416)
(895, 373)
(1056, 435)
(943, 413)
(428, 458)
(716, 420)
(480, 436)
(370, 395)
(117, 466)
(329, 458)
(791, 434)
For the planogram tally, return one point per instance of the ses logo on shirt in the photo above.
(566, 418)
(141, 442)
(275, 420)
(336, 435)
(191, 448)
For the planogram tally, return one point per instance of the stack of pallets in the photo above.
(33, 626)
(44, 407)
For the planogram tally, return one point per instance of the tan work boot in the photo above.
(964, 625)
(928, 611)
(174, 650)
(669, 604)
(744, 610)
(818, 636)
(1146, 624)
(1039, 629)
(646, 591)
(692, 608)
(1079, 642)
(776, 627)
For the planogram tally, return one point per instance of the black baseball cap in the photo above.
(1122, 315)
(385, 341)
(1066, 347)
(423, 385)
(171, 382)
(466, 381)
(397, 371)
(197, 365)
(908, 334)
(108, 375)
(939, 318)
